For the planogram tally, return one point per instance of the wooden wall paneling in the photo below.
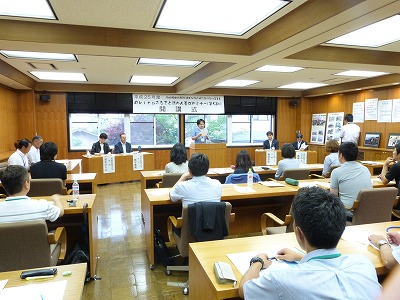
(52, 122)
(9, 122)
(287, 118)
(26, 115)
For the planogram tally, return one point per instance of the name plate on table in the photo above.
(301, 156)
(108, 164)
(138, 161)
(270, 158)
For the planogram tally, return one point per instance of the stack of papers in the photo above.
(271, 183)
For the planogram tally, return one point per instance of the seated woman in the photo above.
(331, 146)
(390, 257)
(243, 164)
(47, 167)
(178, 160)
(288, 161)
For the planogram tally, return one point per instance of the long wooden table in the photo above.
(123, 167)
(87, 182)
(248, 206)
(374, 167)
(260, 156)
(72, 220)
(73, 289)
(73, 165)
(202, 281)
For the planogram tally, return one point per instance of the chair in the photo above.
(3, 166)
(184, 223)
(169, 179)
(269, 224)
(295, 173)
(27, 245)
(46, 187)
(373, 205)
(241, 178)
(328, 174)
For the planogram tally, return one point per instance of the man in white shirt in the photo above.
(18, 207)
(34, 153)
(199, 187)
(350, 132)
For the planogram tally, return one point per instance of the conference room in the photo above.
(250, 79)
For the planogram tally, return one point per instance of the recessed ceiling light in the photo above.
(374, 35)
(360, 73)
(222, 16)
(40, 9)
(237, 82)
(59, 76)
(38, 55)
(153, 79)
(284, 69)
(168, 62)
(302, 85)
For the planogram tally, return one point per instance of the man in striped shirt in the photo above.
(19, 207)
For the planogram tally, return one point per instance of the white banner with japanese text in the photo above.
(177, 104)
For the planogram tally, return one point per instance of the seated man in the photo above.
(101, 147)
(270, 142)
(18, 207)
(300, 144)
(351, 177)
(122, 146)
(322, 273)
(47, 167)
(199, 187)
(34, 153)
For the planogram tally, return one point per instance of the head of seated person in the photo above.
(348, 151)
(198, 164)
(332, 146)
(15, 180)
(178, 154)
(243, 162)
(48, 151)
(288, 151)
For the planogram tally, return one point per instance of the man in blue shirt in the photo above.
(322, 273)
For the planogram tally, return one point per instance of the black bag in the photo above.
(161, 249)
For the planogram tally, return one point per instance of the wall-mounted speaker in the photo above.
(293, 103)
(44, 97)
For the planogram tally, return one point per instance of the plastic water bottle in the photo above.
(87, 153)
(249, 178)
(75, 189)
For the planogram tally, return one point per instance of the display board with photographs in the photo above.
(318, 128)
(393, 139)
(333, 126)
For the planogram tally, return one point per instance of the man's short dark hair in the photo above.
(349, 118)
(397, 147)
(199, 164)
(48, 151)
(349, 151)
(121, 134)
(13, 179)
(22, 143)
(320, 215)
(270, 133)
(103, 136)
(36, 138)
(200, 120)
(288, 151)
(299, 136)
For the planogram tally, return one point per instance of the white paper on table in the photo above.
(307, 184)
(323, 184)
(3, 284)
(158, 192)
(271, 183)
(243, 190)
(41, 291)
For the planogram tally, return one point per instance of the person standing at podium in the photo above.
(199, 132)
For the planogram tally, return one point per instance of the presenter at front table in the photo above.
(199, 132)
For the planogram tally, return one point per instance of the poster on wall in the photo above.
(318, 128)
(396, 110)
(333, 126)
(384, 111)
(358, 112)
(371, 109)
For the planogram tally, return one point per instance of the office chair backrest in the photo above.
(186, 237)
(374, 205)
(24, 245)
(3, 166)
(296, 173)
(169, 179)
(241, 178)
(46, 187)
(331, 168)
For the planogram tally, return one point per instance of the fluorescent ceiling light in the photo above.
(223, 16)
(302, 85)
(360, 73)
(153, 79)
(59, 76)
(374, 35)
(237, 83)
(38, 55)
(168, 62)
(284, 69)
(27, 8)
